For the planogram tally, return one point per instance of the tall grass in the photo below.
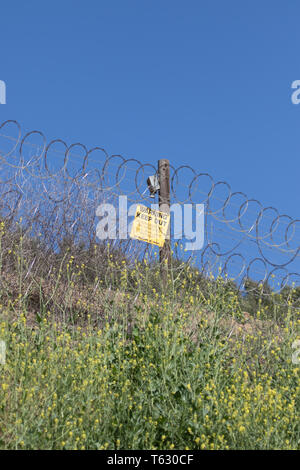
(111, 361)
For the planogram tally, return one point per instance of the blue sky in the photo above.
(204, 83)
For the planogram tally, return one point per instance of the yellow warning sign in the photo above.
(150, 225)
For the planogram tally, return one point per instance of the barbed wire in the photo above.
(56, 188)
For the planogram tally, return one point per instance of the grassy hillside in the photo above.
(100, 357)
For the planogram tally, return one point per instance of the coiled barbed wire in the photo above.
(56, 187)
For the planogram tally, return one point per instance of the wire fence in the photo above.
(55, 188)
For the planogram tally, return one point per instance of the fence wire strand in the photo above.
(56, 188)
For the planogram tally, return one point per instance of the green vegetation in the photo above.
(98, 357)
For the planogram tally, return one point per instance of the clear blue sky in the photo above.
(204, 83)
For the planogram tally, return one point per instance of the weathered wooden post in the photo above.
(164, 206)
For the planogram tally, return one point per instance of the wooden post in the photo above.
(164, 206)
